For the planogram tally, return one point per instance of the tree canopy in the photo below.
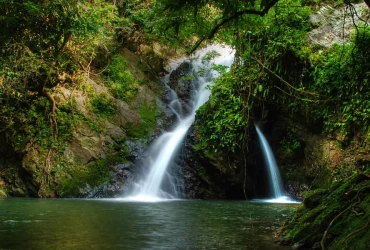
(225, 12)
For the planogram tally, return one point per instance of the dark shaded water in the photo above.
(114, 224)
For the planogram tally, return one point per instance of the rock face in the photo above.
(187, 161)
(100, 147)
(182, 87)
(209, 177)
(335, 25)
(181, 83)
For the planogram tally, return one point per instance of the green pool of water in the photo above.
(115, 224)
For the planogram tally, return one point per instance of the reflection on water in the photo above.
(116, 224)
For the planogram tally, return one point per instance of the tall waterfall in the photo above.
(163, 150)
(276, 184)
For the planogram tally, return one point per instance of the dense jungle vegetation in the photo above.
(49, 45)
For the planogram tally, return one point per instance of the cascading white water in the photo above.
(163, 151)
(274, 176)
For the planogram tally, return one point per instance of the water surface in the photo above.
(115, 224)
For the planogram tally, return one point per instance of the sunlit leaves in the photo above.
(342, 74)
(221, 122)
(43, 44)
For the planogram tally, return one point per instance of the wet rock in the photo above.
(204, 178)
(295, 189)
(181, 85)
(298, 245)
(167, 95)
(136, 148)
(117, 184)
(314, 198)
(317, 245)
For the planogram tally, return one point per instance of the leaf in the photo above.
(31, 6)
(260, 87)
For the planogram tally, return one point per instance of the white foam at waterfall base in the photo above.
(280, 200)
(164, 150)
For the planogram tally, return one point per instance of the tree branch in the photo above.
(234, 16)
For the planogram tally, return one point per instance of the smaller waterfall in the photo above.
(276, 184)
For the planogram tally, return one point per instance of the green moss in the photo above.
(313, 198)
(103, 106)
(94, 174)
(96, 125)
(120, 80)
(79, 177)
(344, 211)
(148, 115)
(288, 145)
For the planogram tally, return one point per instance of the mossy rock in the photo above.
(72, 185)
(313, 198)
(338, 217)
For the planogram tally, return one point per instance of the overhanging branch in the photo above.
(234, 16)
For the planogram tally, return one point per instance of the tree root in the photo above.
(70, 102)
(356, 231)
(45, 177)
(322, 242)
(53, 116)
(49, 161)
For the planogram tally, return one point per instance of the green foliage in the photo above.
(220, 123)
(33, 126)
(210, 55)
(342, 211)
(288, 145)
(342, 74)
(148, 115)
(48, 44)
(43, 44)
(120, 80)
(183, 20)
(335, 3)
(263, 50)
(220, 69)
(93, 176)
(49, 26)
(96, 125)
(103, 106)
(187, 78)
(157, 22)
(275, 66)
(2, 193)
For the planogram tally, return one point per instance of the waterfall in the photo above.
(163, 150)
(276, 184)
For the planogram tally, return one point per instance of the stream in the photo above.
(117, 224)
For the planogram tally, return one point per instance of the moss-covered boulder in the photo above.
(337, 218)
(313, 198)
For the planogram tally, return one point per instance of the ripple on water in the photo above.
(21, 221)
